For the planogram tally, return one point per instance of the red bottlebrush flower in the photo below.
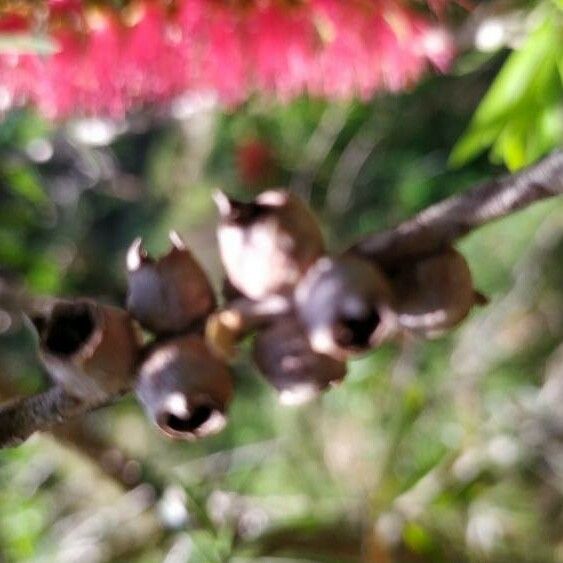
(108, 62)
(153, 65)
(61, 86)
(255, 162)
(64, 6)
(281, 46)
(223, 65)
(13, 23)
(102, 59)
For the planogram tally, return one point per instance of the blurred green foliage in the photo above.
(521, 116)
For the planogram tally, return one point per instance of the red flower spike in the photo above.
(255, 162)
(109, 62)
(13, 23)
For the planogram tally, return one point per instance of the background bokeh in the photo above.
(449, 450)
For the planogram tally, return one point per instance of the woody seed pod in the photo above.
(434, 293)
(266, 245)
(284, 356)
(90, 350)
(345, 305)
(184, 389)
(168, 294)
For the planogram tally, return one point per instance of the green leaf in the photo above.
(25, 183)
(528, 87)
(417, 538)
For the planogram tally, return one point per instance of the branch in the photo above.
(441, 224)
(20, 418)
(81, 436)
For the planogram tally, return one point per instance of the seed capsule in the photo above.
(167, 295)
(91, 350)
(284, 356)
(434, 294)
(345, 305)
(184, 389)
(266, 245)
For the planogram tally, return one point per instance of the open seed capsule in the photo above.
(89, 349)
(267, 244)
(184, 389)
(167, 295)
(345, 305)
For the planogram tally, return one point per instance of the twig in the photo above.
(441, 224)
(22, 417)
(79, 434)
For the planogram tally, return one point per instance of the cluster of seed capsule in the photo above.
(310, 313)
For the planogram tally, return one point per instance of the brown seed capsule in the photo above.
(434, 294)
(345, 305)
(283, 354)
(184, 389)
(169, 294)
(91, 350)
(266, 245)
